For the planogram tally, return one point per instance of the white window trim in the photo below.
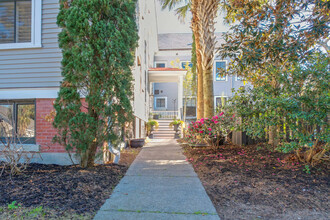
(184, 62)
(35, 30)
(215, 70)
(220, 96)
(27, 147)
(155, 104)
(157, 62)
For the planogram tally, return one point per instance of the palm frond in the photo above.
(170, 4)
(182, 11)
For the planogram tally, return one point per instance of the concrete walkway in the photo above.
(160, 184)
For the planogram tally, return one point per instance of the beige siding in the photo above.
(35, 68)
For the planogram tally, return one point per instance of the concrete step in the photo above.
(163, 135)
(164, 132)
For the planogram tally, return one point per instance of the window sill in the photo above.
(19, 46)
(28, 147)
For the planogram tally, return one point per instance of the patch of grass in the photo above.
(15, 211)
(177, 213)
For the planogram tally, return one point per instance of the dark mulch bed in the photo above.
(254, 183)
(64, 189)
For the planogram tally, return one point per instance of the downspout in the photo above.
(112, 150)
(115, 152)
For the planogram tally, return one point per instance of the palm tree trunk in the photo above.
(207, 12)
(196, 31)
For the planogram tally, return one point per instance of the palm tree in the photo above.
(206, 13)
(192, 6)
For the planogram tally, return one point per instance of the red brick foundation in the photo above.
(44, 128)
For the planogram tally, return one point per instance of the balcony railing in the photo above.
(165, 114)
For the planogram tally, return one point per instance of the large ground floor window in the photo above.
(17, 120)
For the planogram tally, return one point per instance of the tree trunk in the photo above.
(196, 31)
(207, 12)
(208, 93)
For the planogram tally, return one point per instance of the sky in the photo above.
(168, 22)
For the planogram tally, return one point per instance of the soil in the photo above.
(252, 182)
(64, 189)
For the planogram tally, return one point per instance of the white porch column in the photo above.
(180, 94)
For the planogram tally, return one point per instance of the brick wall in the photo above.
(44, 129)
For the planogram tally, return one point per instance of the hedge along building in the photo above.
(30, 71)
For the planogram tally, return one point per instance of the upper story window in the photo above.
(20, 24)
(17, 121)
(160, 64)
(238, 78)
(219, 75)
(185, 63)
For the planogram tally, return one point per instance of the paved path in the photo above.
(159, 185)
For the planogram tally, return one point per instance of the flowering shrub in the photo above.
(213, 130)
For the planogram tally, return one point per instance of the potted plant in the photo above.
(151, 126)
(176, 123)
(135, 143)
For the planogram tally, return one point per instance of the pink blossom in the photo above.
(221, 114)
(210, 133)
(200, 131)
(210, 129)
(216, 122)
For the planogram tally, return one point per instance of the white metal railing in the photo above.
(165, 114)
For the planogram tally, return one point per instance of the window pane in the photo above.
(7, 21)
(15, 21)
(23, 21)
(219, 101)
(6, 120)
(160, 103)
(160, 65)
(219, 66)
(26, 121)
(184, 64)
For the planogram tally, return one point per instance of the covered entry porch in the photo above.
(166, 92)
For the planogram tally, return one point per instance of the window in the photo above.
(160, 65)
(160, 102)
(191, 102)
(156, 92)
(220, 66)
(18, 120)
(185, 63)
(20, 23)
(191, 110)
(220, 101)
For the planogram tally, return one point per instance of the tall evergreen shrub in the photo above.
(98, 40)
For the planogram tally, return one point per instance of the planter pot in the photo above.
(176, 127)
(151, 136)
(136, 143)
(156, 117)
(177, 136)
